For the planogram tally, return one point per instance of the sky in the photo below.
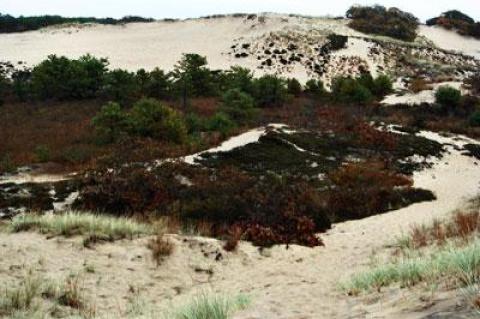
(423, 9)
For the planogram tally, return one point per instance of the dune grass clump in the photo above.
(37, 297)
(92, 227)
(21, 297)
(460, 265)
(447, 251)
(159, 246)
(211, 307)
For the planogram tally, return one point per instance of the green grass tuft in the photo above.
(461, 264)
(211, 307)
(92, 227)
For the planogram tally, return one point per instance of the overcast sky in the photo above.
(423, 9)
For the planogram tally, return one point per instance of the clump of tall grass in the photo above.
(211, 307)
(448, 262)
(25, 299)
(20, 298)
(92, 227)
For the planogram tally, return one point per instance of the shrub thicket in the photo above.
(65, 79)
(239, 78)
(158, 85)
(220, 122)
(120, 86)
(349, 90)
(337, 42)
(150, 118)
(110, 123)
(147, 118)
(315, 87)
(474, 119)
(9, 24)
(448, 98)
(238, 105)
(192, 78)
(270, 91)
(3, 88)
(362, 89)
(294, 87)
(458, 21)
(379, 20)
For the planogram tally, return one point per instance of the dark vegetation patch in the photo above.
(457, 21)
(311, 153)
(16, 198)
(284, 189)
(391, 22)
(473, 150)
(10, 24)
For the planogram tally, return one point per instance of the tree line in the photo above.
(10, 24)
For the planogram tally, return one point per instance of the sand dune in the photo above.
(161, 44)
(450, 40)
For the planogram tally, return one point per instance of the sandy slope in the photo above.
(161, 44)
(295, 283)
(450, 40)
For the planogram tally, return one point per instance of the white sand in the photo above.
(450, 40)
(284, 284)
(23, 178)
(249, 137)
(425, 96)
(161, 44)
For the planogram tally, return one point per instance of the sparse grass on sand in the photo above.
(36, 297)
(446, 252)
(449, 262)
(211, 307)
(92, 227)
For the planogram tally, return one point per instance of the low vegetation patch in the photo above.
(91, 227)
(211, 307)
(10, 24)
(37, 297)
(379, 20)
(282, 190)
(457, 21)
(446, 252)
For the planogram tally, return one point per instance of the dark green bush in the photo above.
(239, 78)
(337, 42)
(65, 79)
(349, 90)
(294, 87)
(42, 153)
(473, 83)
(10, 24)
(110, 123)
(22, 87)
(239, 106)
(120, 86)
(221, 123)
(159, 85)
(150, 118)
(448, 97)
(382, 85)
(3, 88)
(379, 20)
(315, 87)
(270, 91)
(192, 78)
(457, 21)
(474, 119)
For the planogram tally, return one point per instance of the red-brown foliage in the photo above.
(365, 189)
